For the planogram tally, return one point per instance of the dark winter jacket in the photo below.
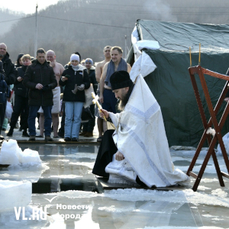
(43, 74)
(92, 79)
(9, 68)
(79, 77)
(4, 88)
(19, 88)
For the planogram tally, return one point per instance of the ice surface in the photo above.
(216, 198)
(139, 208)
(123, 208)
(9, 220)
(14, 194)
(11, 154)
(28, 172)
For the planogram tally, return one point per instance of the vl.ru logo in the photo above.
(34, 214)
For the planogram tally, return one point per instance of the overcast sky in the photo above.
(26, 6)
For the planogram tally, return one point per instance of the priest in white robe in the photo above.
(138, 149)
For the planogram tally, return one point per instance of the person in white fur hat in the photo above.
(75, 79)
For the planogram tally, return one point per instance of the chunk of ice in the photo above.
(29, 156)
(11, 154)
(14, 194)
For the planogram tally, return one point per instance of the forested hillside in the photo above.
(87, 26)
(7, 19)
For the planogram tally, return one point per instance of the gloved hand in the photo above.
(67, 76)
(75, 89)
(46, 88)
(81, 87)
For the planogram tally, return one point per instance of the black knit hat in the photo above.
(18, 59)
(120, 79)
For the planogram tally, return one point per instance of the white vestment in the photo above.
(140, 136)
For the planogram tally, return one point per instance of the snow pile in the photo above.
(14, 194)
(11, 154)
(172, 227)
(146, 195)
(220, 193)
(77, 194)
(216, 198)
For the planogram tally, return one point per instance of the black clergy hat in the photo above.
(120, 79)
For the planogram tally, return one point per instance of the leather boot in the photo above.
(10, 133)
(88, 134)
(25, 134)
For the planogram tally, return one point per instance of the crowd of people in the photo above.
(41, 89)
(130, 106)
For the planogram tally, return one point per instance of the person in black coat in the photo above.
(9, 69)
(76, 80)
(88, 127)
(61, 130)
(18, 64)
(40, 79)
(3, 95)
(21, 98)
(8, 66)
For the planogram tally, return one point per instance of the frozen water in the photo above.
(137, 208)
(29, 156)
(11, 154)
(24, 218)
(14, 194)
(18, 172)
(122, 208)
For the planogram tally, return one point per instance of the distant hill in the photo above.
(87, 26)
(7, 19)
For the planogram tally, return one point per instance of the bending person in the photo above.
(138, 149)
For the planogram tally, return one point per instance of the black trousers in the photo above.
(2, 114)
(20, 108)
(3, 100)
(105, 155)
(106, 151)
(89, 126)
(61, 130)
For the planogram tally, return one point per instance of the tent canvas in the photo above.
(170, 81)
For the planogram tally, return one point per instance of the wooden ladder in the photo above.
(212, 122)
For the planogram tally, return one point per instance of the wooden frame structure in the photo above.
(211, 138)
